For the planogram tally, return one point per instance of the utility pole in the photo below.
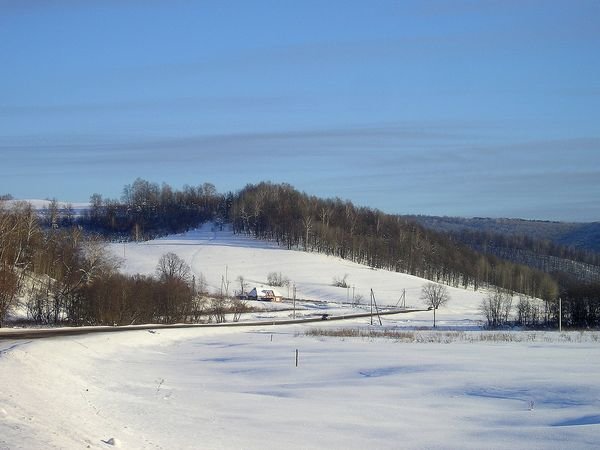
(373, 301)
(371, 306)
(294, 316)
(559, 314)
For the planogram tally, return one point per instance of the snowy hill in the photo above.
(215, 254)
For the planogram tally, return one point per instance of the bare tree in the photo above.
(97, 260)
(496, 307)
(434, 295)
(243, 285)
(218, 309)
(170, 266)
(238, 307)
(8, 290)
(277, 279)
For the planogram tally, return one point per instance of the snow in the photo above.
(216, 254)
(41, 204)
(240, 388)
(221, 388)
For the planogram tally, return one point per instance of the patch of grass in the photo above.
(446, 337)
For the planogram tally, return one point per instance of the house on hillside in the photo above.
(265, 294)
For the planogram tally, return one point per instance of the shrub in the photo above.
(341, 282)
(277, 279)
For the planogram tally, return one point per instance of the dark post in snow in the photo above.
(296, 357)
(371, 306)
(294, 291)
(373, 301)
(559, 314)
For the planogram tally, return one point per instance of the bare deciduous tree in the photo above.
(238, 307)
(496, 307)
(277, 279)
(434, 295)
(8, 290)
(172, 267)
(243, 285)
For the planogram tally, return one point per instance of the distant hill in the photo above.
(581, 236)
(569, 249)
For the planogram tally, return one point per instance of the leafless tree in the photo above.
(277, 279)
(496, 307)
(172, 267)
(434, 295)
(8, 290)
(243, 285)
(238, 307)
(218, 308)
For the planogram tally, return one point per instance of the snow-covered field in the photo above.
(218, 254)
(240, 388)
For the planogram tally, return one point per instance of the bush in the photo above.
(341, 282)
(277, 279)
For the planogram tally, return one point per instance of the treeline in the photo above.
(145, 211)
(59, 255)
(489, 242)
(580, 302)
(279, 212)
(67, 277)
(540, 254)
(575, 241)
(48, 266)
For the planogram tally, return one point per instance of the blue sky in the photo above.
(460, 108)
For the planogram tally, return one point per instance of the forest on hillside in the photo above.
(541, 254)
(67, 249)
(280, 213)
(580, 240)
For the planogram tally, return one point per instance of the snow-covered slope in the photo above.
(217, 254)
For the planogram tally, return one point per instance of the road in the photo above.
(38, 333)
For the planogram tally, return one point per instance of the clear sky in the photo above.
(460, 108)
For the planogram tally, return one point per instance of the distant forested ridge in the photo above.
(368, 236)
(516, 241)
(577, 237)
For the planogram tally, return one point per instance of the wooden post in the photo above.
(296, 357)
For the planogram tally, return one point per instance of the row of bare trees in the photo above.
(65, 276)
(20, 233)
(579, 308)
(279, 212)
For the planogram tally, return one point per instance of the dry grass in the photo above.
(446, 337)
